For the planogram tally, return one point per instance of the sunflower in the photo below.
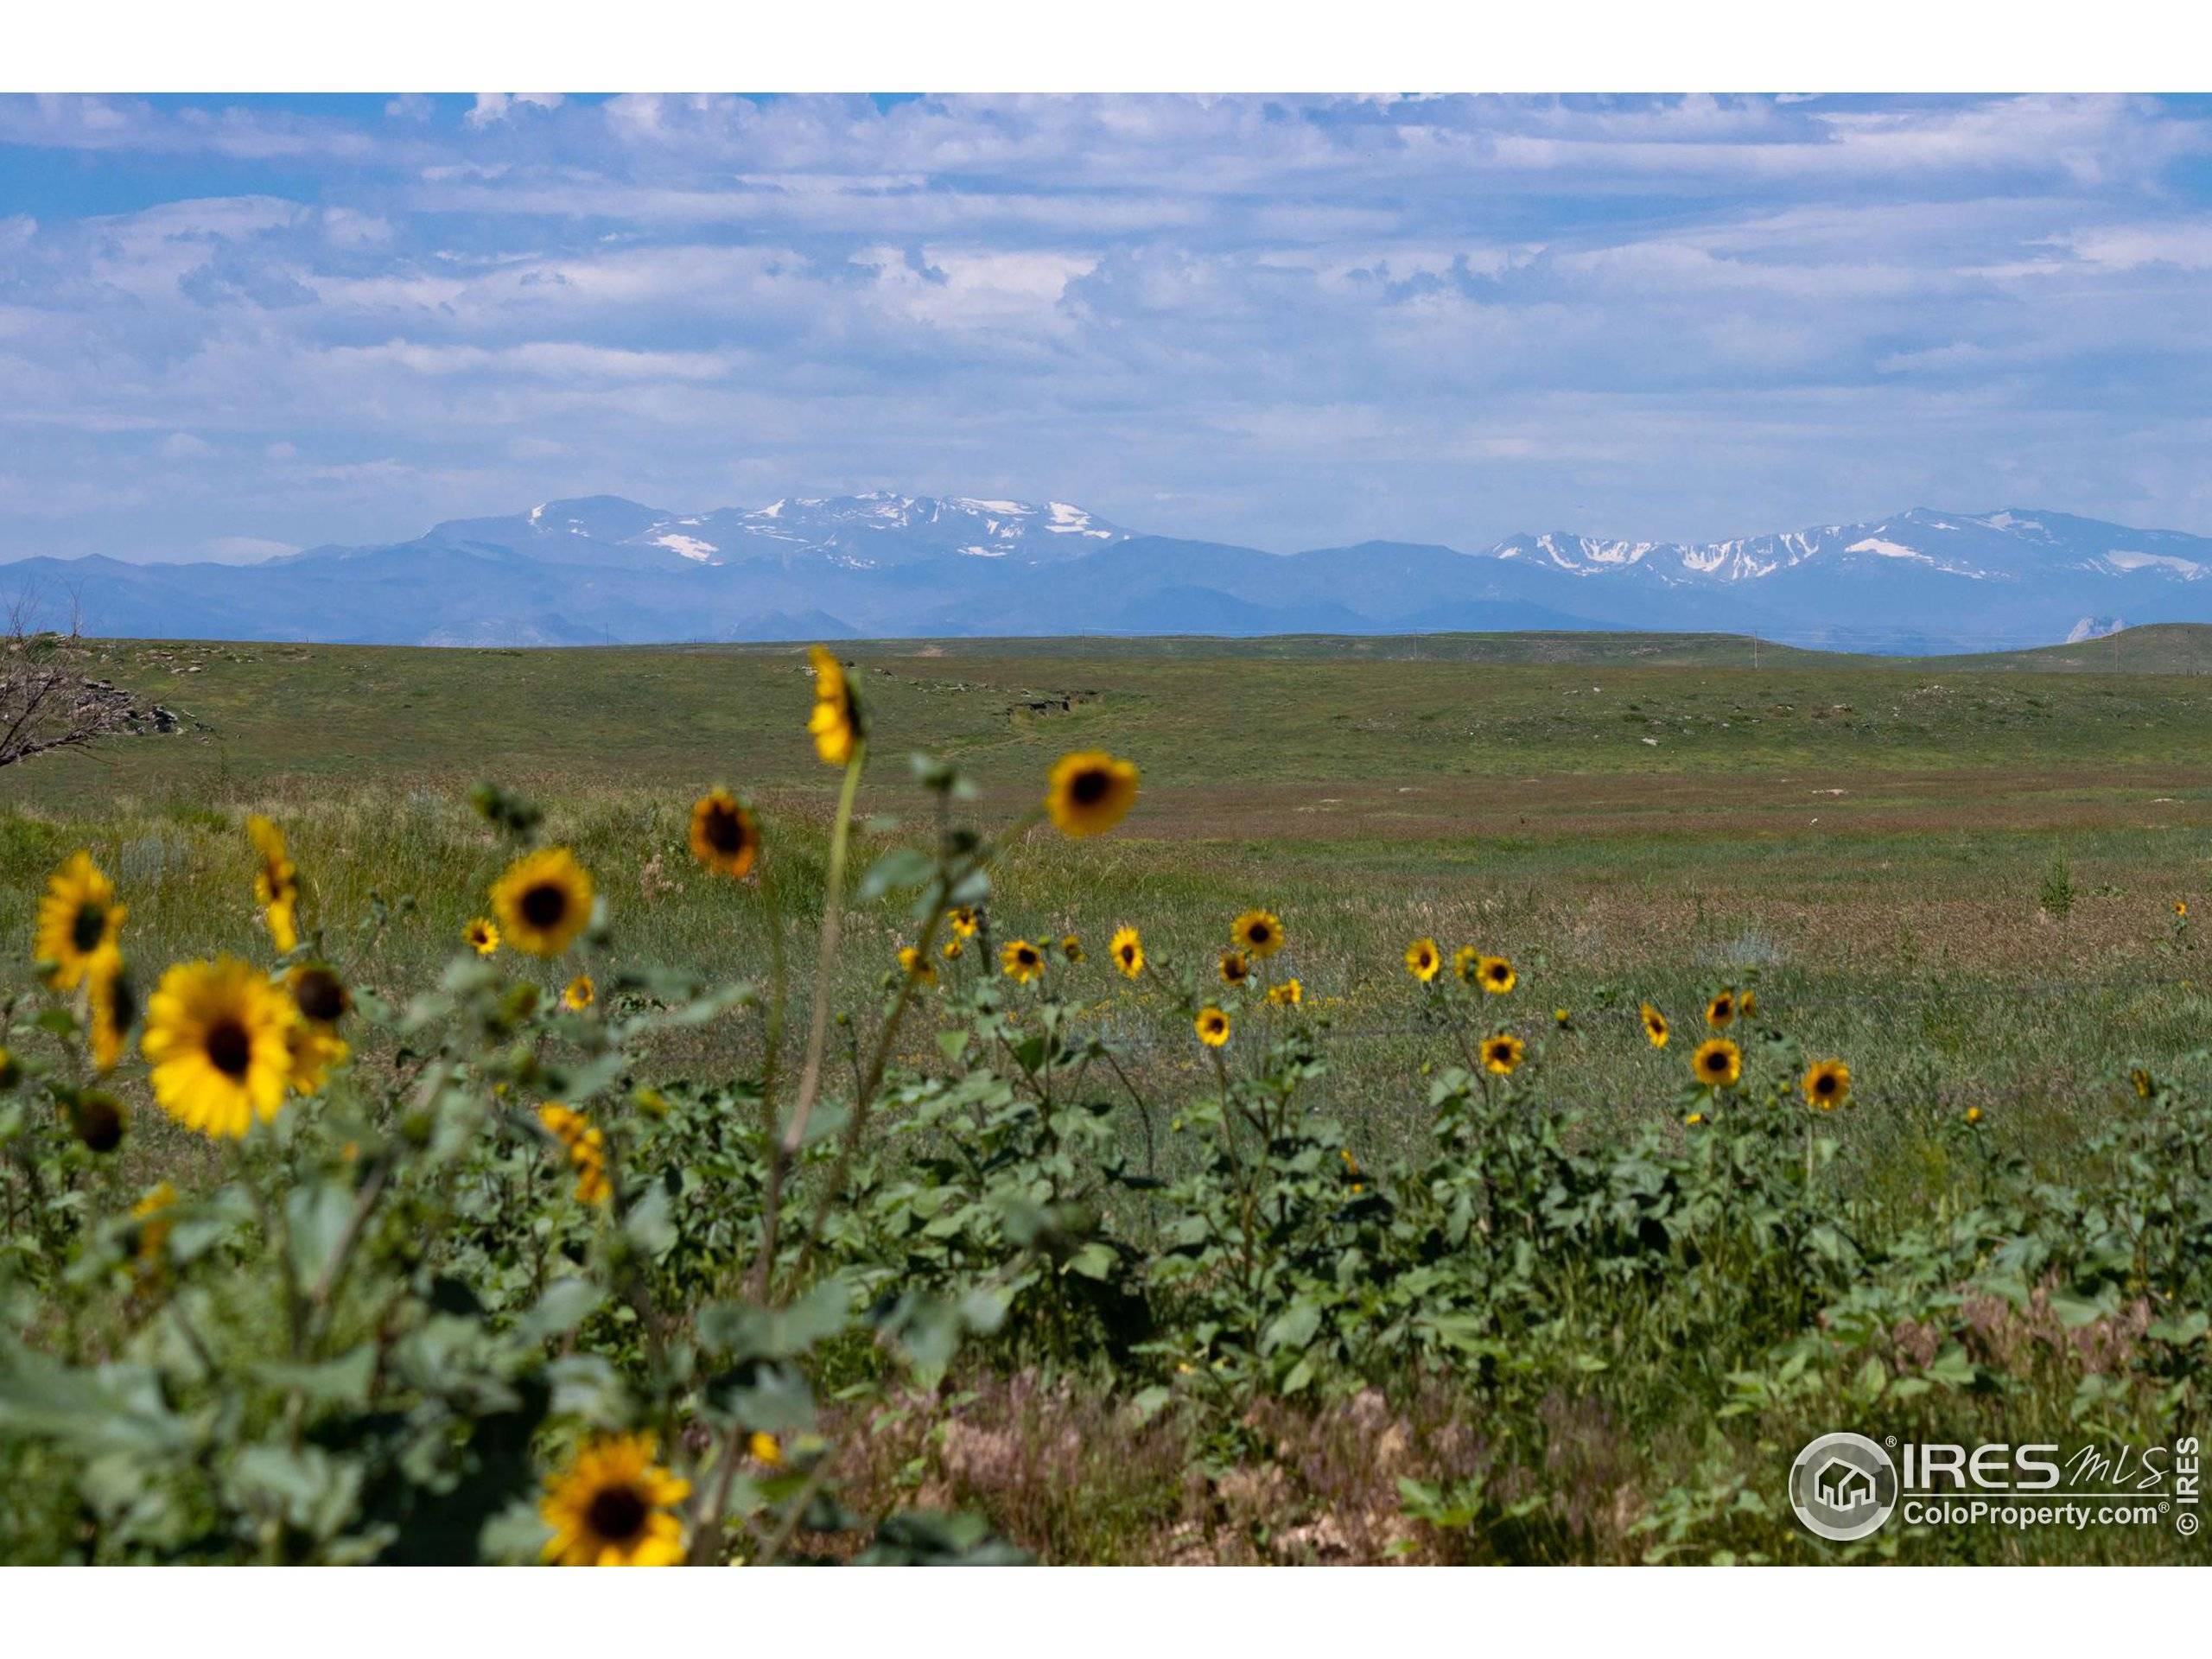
(1258, 933)
(1827, 1084)
(1463, 962)
(580, 995)
(544, 900)
(218, 1037)
(11, 1070)
(275, 882)
(765, 1447)
(836, 722)
(1563, 1018)
(1694, 1120)
(1495, 975)
(1289, 994)
(1091, 792)
(1654, 1025)
(1352, 1169)
(915, 966)
(965, 920)
(2181, 907)
(1973, 1114)
(318, 993)
(952, 949)
(114, 1009)
(1021, 961)
(315, 1049)
(610, 1508)
(724, 838)
(1212, 1026)
(587, 1149)
(96, 1118)
(1502, 1052)
(1128, 951)
(2142, 1082)
(1421, 960)
(77, 918)
(1747, 1004)
(1721, 1012)
(1718, 1063)
(482, 936)
(1235, 969)
(1071, 948)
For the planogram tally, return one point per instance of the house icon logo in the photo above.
(1843, 1487)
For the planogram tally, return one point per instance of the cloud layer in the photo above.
(231, 325)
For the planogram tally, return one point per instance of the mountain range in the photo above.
(602, 570)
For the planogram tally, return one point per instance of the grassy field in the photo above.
(1871, 839)
(1961, 875)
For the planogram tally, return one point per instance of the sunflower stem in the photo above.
(810, 1083)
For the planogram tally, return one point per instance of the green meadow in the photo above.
(1981, 882)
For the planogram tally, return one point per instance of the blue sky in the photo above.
(231, 326)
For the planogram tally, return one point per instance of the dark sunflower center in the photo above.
(230, 1048)
(1824, 1085)
(725, 831)
(122, 1011)
(617, 1513)
(99, 1124)
(1716, 1064)
(545, 905)
(90, 927)
(319, 995)
(1088, 788)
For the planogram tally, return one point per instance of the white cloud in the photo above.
(497, 106)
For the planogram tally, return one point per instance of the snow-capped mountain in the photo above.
(603, 569)
(2007, 546)
(856, 532)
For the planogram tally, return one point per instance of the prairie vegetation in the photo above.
(1048, 1272)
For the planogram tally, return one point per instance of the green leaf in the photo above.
(1952, 1368)
(341, 1381)
(565, 1305)
(1293, 1328)
(649, 1225)
(903, 866)
(115, 1408)
(743, 1332)
(315, 1217)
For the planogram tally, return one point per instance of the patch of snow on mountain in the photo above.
(1888, 549)
(984, 552)
(689, 546)
(538, 512)
(2093, 627)
(1583, 553)
(2008, 521)
(1073, 521)
(994, 506)
(2121, 559)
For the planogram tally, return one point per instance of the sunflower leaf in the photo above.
(903, 866)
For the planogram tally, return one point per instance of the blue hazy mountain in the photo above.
(600, 570)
